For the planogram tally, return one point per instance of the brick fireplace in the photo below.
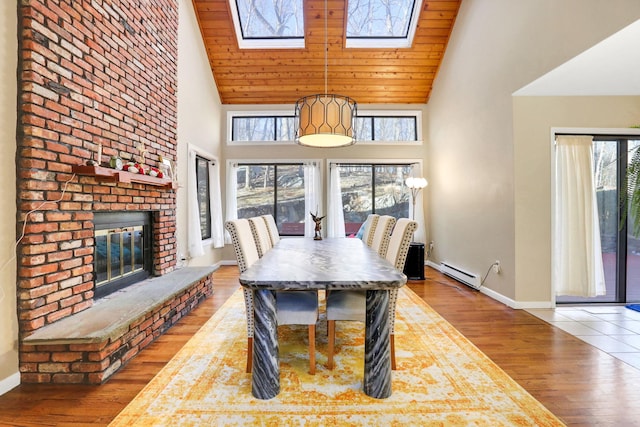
(94, 76)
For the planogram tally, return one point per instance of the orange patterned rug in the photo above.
(442, 379)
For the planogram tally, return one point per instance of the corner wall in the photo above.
(496, 48)
(200, 119)
(9, 376)
(534, 117)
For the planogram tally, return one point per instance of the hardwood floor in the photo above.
(579, 383)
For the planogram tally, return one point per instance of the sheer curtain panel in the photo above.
(232, 196)
(577, 254)
(312, 195)
(215, 196)
(335, 215)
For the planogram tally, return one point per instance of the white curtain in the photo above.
(577, 254)
(335, 214)
(194, 235)
(421, 233)
(232, 196)
(215, 198)
(312, 195)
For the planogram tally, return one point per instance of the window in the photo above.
(204, 202)
(380, 127)
(277, 189)
(382, 23)
(268, 23)
(263, 128)
(373, 188)
(386, 128)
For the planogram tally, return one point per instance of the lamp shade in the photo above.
(325, 120)
(416, 183)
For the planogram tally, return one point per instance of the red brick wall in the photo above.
(90, 72)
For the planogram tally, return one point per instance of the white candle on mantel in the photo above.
(99, 154)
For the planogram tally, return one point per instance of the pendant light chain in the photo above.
(326, 49)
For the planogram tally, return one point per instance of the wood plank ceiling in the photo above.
(281, 76)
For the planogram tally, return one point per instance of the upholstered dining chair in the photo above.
(370, 228)
(273, 229)
(351, 304)
(300, 308)
(382, 233)
(260, 235)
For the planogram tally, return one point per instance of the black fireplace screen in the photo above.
(122, 252)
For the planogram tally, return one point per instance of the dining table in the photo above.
(302, 264)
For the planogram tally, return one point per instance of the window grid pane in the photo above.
(379, 19)
(268, 19)
(275, 189)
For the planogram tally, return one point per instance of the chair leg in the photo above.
(249, 354)
(331, 327)
(312, 349)
(393, 351)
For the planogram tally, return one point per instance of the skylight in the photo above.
(382, 23)
(268, 23)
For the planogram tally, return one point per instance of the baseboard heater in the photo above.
(469, 279)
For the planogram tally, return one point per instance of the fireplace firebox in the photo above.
(123, 253)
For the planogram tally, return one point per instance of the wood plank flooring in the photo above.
(579, 383)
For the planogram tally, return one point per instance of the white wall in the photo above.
(9, 376)
(497, 47)
(199, 117)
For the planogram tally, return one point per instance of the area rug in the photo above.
(634, 307)
(442, 379)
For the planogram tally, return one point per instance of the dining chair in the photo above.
(382, 233)
(370, 228)
(292, 307)
(351, 304)
(261, 235)
(273, 228)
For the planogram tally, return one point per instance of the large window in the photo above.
(620, 247)
(373, 188)
(204, 194)
(276, 189)
(380, 127)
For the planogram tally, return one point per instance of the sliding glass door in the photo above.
(620, 249)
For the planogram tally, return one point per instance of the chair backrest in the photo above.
(382, 233)
(370, 228)
(243, 242)
(399, 242)
(273, 229)
(260, 235)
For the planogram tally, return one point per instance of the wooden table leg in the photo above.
(266, 365)
(377, 349)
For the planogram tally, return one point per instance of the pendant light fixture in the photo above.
(325, 120)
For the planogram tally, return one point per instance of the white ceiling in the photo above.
(612, 67)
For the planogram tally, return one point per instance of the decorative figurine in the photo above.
(318, 221)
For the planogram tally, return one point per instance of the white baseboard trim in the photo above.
(518, 305)
(9, 383)
(228, 262)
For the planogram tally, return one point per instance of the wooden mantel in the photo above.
(112, 175)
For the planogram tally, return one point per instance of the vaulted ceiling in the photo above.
(281, 76)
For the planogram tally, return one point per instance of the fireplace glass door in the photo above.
(122, 251)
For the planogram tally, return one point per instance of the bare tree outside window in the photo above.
(379, 18)
(271, 18)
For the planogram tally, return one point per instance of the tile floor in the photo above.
(612, 329)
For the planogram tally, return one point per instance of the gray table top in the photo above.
(304, 263)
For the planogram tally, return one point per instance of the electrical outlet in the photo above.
(496, 267)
